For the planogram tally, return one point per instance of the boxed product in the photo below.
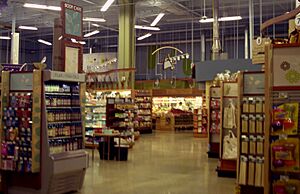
(285, 155)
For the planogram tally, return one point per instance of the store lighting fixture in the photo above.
(157, 19)
(107, 5)
(4, 38)
(147, 28)
(89, 2)
(145, 36)
(44, 42)
(206, 20)
(39, 6)
(91, 33)
(231, 18)
(96, 25)
(28, 28)
(87, 19)
(59, 38)
(222, 19)
(82, 42)
(74, 40)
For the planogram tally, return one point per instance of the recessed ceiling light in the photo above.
(28, 28)
(157, 19)
(91, 33)
(39, 6)
(87, 19)
(147, 28)
(44, 42)
(107, 5)
(145, 36)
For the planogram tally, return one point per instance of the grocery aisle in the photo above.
(161, 163)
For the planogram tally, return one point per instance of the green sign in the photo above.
(72, 20)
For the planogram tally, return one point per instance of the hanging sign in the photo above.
(72, 20)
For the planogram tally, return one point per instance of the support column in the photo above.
(203, 53)
(251, 26)
(126, 47)
(216, 48)
(246, 44)
(15, 41)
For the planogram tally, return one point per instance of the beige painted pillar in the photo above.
(126, 47)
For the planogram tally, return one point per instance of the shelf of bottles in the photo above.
(143, 101)
(63, 115)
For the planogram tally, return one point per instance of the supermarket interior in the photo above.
(149, 96)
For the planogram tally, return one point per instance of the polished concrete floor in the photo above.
(160, 163)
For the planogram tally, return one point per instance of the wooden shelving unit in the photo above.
(201, 120)
(120, 113)
(282, 92)
(229, 101)
(214, 121)
(250, 133)
(143, 100)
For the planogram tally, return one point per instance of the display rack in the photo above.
(143, 100)
(214, 121)
(250, 134)
(47, 130)
(282, 166)
(228, 132)
(120, 113)
(95, 120)
(201, 120)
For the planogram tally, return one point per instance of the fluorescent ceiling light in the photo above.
(231, 18)
(82, 42)
(91, 33)
(44, 42)
(28, 28)
(145, 36)
(107, 5)
(157, 19)
(46, 7)
(96, 25)
(222, 19)
(147, 28)
(4, 38)
(90, 2)
(207, 20)
(74, 40)
(87, 19)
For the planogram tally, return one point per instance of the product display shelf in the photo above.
(58, 158)
(95, 121)
(143, 101)
(281, 151)
(214, 120)
(120, 113)
(228, 132)
(201, 120)
(250, 134)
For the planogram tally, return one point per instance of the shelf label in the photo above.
(63, 76)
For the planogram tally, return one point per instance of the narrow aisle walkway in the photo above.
(162, 163)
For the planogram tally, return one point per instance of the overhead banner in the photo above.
(72, 16)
